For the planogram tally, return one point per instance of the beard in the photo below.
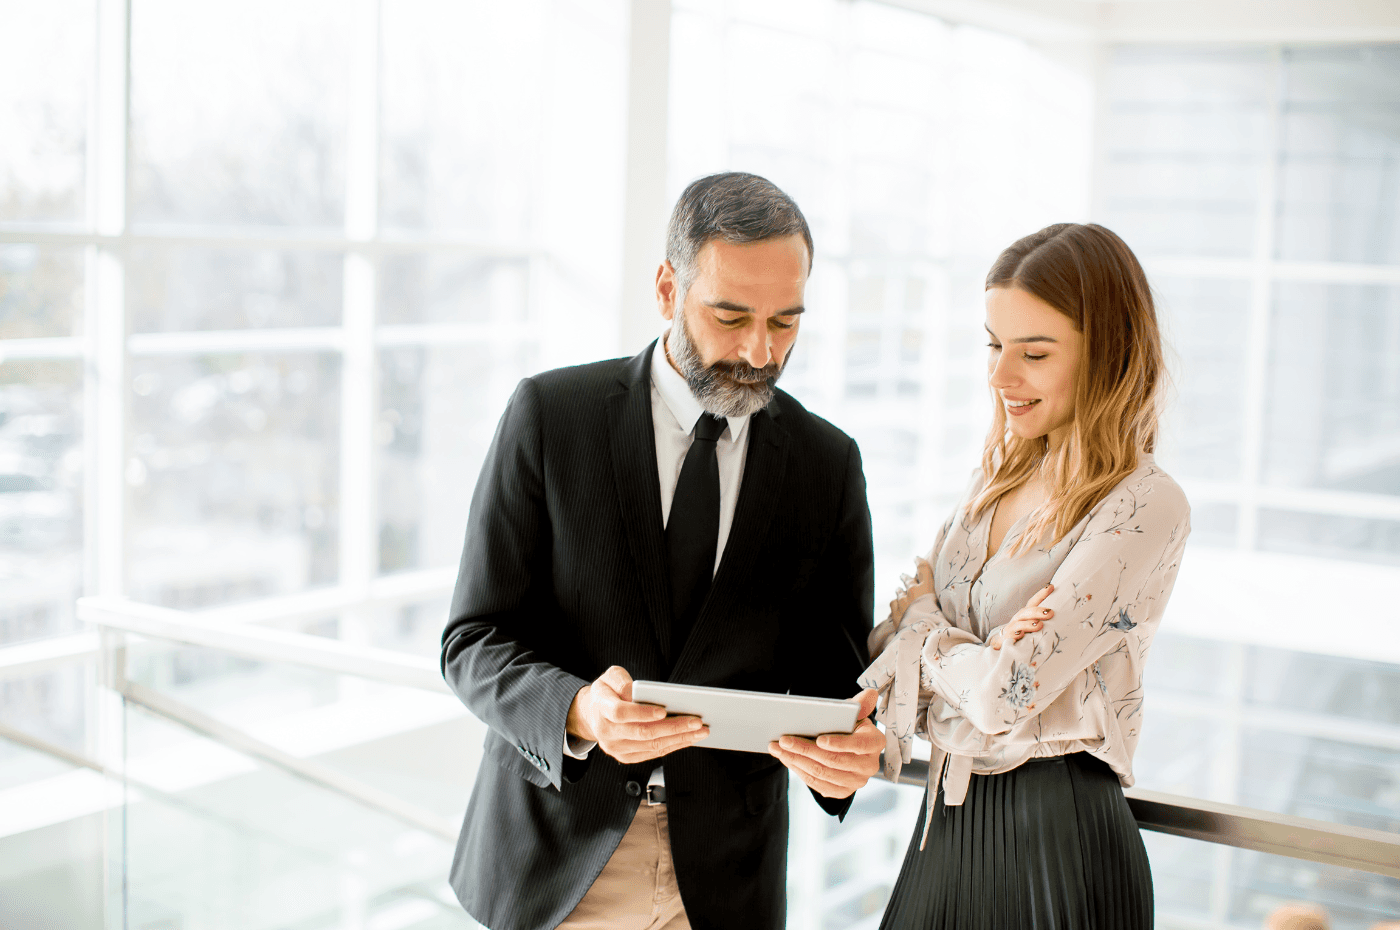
(724, 389)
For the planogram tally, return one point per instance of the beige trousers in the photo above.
(637, 888)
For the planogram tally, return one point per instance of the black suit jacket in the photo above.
(564, 573)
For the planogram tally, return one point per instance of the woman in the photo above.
(1034, 711)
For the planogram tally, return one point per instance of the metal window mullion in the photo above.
(104, 342)
(892, 322)
(105, 408)
(644, 191)
(358, 560)
(1324, 272)
(252, 237)
(1225, 770)
(104, 307)
(1260, 307)
(1099, 161)
(46, 347)
(934, 391)
(357, 510)
(214, 342)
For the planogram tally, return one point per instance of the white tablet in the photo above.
(749, 720)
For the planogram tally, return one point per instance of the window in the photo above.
(1259, 187)
(262, 305)
(260, 310)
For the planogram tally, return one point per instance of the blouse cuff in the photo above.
(896, 674)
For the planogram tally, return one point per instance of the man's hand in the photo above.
(835, 765)
(603, 712)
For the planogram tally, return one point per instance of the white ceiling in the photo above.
(1176, 21)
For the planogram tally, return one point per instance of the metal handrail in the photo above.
(405, 587)
(1247, 828)
(1366, 850)
(270, 645)
(221, 630)
(43, 654)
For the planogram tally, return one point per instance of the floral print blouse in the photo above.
(1076, 684)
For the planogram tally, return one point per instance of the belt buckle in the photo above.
(656, 794)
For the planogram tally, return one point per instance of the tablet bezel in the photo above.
(747, 721)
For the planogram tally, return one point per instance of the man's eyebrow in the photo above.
(1024, 339)
(740, 308)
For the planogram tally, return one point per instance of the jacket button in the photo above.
(634, 789)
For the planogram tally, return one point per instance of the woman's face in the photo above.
(1033, 355)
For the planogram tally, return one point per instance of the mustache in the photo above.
(744, 373)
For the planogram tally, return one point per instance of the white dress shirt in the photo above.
(674, 413)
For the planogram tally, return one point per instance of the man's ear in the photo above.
(666, 290)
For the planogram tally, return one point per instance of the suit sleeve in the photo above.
(502, 585)
(838, 606)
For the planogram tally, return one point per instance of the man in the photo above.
(669, 517)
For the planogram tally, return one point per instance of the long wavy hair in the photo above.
(1091, 276)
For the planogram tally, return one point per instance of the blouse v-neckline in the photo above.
(1012, 532)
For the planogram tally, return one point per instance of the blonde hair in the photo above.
(1091, 276)
(1300, 917)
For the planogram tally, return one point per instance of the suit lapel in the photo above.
(632, 441)
(759, 491)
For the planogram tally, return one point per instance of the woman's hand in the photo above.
(1028, 619)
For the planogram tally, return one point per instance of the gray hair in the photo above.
(734, 206)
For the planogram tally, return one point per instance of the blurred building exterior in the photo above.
(268, 273)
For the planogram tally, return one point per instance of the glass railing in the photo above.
(277, 775)
(274, 766)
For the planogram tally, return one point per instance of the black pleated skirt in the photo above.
(1049, 845)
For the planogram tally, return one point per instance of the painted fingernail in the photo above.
(1046, 612)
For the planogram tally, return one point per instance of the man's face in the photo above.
(738, 321)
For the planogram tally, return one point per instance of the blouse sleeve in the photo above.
(897, 644)
(1111, 580)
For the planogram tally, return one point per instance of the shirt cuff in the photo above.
(576, 748)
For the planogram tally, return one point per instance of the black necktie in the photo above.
(692, 530)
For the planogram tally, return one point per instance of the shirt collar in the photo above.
(675, 393)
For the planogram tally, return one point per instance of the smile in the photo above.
(1019, 407)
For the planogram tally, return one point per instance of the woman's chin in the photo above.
(1026, 430)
